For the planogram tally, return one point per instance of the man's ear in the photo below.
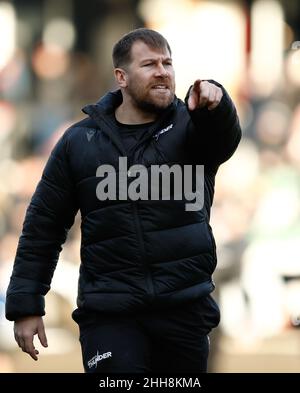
(121, 77)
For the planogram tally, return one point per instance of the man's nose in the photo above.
(161, 70)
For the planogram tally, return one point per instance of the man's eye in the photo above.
(147, 64)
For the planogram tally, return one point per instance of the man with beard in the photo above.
(144, 300)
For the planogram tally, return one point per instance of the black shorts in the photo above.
(173, 340)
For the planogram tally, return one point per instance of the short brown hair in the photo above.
(122, 49)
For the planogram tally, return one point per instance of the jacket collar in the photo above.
(106, 105)
(103, 110)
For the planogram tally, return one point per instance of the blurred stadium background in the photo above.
(55, 57)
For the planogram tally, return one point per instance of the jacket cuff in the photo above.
(23, 305)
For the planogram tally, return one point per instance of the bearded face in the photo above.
(150, 78)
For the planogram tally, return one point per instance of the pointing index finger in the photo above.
(194, 95)
(196, 85)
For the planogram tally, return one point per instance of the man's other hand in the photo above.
(25, 329)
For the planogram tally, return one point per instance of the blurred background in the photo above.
(55, 57)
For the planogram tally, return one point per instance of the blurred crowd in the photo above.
(46, 80)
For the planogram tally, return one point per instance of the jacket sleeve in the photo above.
(213, 135)
(49, 216)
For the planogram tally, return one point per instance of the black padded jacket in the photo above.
(133, 253)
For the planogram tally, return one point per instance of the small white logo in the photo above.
(90, 134)
(97, 358)
(157, 135)
(295, 45)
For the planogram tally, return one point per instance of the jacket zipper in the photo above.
(149, 282)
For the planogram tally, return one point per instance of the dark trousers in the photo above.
(173, 340)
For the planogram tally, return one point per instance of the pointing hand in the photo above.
(204, 94)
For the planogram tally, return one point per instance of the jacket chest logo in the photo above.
(166, 129)
(90, 134)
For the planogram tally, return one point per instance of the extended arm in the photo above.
(214, 131)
